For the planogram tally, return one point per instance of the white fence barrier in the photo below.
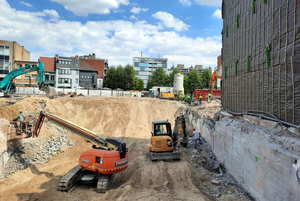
(85, 92)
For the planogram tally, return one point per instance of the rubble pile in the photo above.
(29, 153)
(219, 183)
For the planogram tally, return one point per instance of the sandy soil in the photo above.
(126, 118)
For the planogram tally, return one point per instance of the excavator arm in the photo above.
(213, 79)
(100, 141)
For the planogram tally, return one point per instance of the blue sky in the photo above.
(184, 31)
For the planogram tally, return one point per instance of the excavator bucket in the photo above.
(165, 155)
(50, 92)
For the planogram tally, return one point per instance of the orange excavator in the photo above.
(213, 80)
(108, 156)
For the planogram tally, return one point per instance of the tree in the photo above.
(120, 78)
(158, 78)
(140, 84)
(111, 77)
(123, 78)
(186, 85)
(129, 77)
(194, 78)
(171, 76)
(205, 78)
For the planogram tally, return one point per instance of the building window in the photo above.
(82, 76)
(52, 77)
(76, 81)
(34, 77)
(19, 77)
(64, 80)
(77, 72)
(19, 65)
(27, 77)
(64, 71)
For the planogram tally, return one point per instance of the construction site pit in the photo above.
(31, 168)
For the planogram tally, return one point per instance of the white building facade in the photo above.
(144, 66)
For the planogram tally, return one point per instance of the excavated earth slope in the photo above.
(126, 118)
(34, 170)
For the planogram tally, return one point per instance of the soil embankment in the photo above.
(126, 118)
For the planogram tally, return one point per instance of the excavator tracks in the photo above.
(69, 179)
(105, 182)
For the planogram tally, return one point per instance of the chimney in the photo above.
(56, 55)
(76, 57)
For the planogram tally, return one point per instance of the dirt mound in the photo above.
(128, 119)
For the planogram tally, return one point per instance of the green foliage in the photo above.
(194, 78)
(186, 85)
(111, 77)
(138, 84)
(158, 78)
(171, 76)
(129, 77)
(123, 78)
(205, 78)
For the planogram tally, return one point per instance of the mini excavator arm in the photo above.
(213, 80)
(100, 141)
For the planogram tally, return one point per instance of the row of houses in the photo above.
(86, 71)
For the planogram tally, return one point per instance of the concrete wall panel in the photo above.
(265, 169)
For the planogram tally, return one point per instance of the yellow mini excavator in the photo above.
(163, 142)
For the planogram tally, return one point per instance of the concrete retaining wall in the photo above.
(263, 163)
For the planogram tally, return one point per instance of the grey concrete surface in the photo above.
(264, 160)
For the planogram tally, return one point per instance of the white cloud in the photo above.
(209, 2)
(137, 10)
(117, 40)
(133, 17)
(186, 2)
(51, 13)
(26, 4)
(84, 8)
(170, 21)
(217, 14)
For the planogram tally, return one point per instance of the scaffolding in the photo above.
(261, 57)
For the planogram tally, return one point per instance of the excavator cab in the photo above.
(162, 142)
(161, 128)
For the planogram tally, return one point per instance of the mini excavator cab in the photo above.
(162, 142)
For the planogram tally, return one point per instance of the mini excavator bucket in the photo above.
(50, 92)
(175, 155)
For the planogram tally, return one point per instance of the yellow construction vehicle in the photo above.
(163, 142)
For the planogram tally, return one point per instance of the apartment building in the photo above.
(144, 66)
(67, 71)
(10, 51)
(99, 65)
(87, 75)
